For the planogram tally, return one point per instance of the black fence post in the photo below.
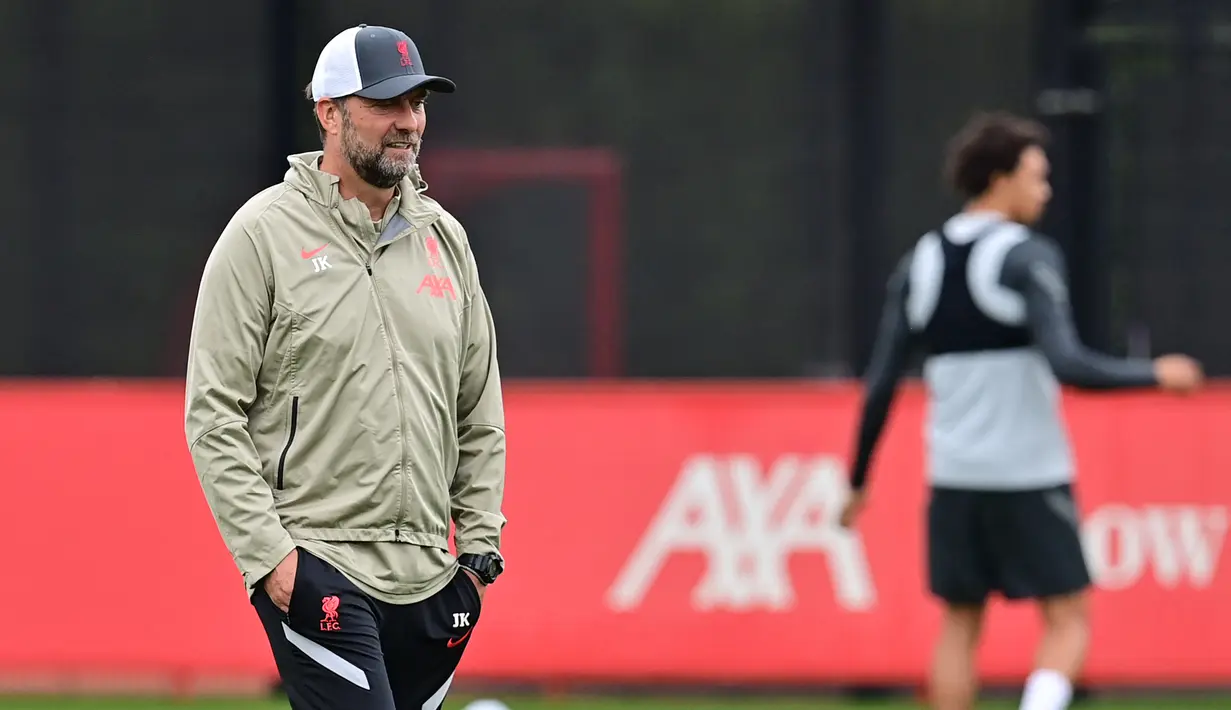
(1070, 100)
(442, 49)
(866, 87)
(285, 94)
(1191, 18)
(58, 275)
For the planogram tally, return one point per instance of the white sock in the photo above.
(1047, 690)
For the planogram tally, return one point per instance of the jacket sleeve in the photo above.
(477, 492)
(1035, 269)
(229, 330)
(891, 355)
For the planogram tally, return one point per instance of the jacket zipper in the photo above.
(290, 439)
(397, 393)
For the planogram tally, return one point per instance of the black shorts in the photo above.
(339, 648)
(1020, 544)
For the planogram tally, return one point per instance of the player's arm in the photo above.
(477, 490)
(1035, 269)
(891, 356)
(229, 331)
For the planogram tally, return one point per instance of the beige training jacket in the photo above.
(343, 385)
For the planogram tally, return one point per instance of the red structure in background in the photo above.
(705, 516)
(459, 175)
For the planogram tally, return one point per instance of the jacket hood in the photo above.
(321, 187)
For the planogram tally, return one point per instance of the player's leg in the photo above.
(955, 682)
(424, 642)
(327, 647)
(1042, 559)
(957, 573)
(1061, 653)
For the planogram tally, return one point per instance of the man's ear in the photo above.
(329, 113)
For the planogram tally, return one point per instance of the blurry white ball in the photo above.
(486, 705)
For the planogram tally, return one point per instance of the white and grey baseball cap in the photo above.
(372, 62)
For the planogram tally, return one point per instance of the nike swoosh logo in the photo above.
(309, 254)
(456, 641)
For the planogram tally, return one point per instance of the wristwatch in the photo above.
(486, 567)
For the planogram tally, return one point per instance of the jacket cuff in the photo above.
(268, 560)
(478, 546)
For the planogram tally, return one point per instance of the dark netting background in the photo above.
(1169, 110)
(778, 156)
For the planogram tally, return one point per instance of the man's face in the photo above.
(1028, 187)
(381, 139)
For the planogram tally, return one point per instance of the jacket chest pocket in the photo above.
(424, 314)
(335, 324)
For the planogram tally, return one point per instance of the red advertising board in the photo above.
(656, 532)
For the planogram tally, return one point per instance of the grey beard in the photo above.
(375, 167)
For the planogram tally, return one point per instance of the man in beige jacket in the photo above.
(343, 399)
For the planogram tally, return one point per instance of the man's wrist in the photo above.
(487, 567)
(269, 561)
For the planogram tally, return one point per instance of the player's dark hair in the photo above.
(990, 144)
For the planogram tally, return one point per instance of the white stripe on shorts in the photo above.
(330, 660)
(438, 698)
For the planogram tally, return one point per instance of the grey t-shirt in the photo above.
(994, 417)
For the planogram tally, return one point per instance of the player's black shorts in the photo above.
(1020, 544)
(339, 648)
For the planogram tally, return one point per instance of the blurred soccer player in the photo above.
(985, 301)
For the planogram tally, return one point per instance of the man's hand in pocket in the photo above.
(482, 588)
(281, 582)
